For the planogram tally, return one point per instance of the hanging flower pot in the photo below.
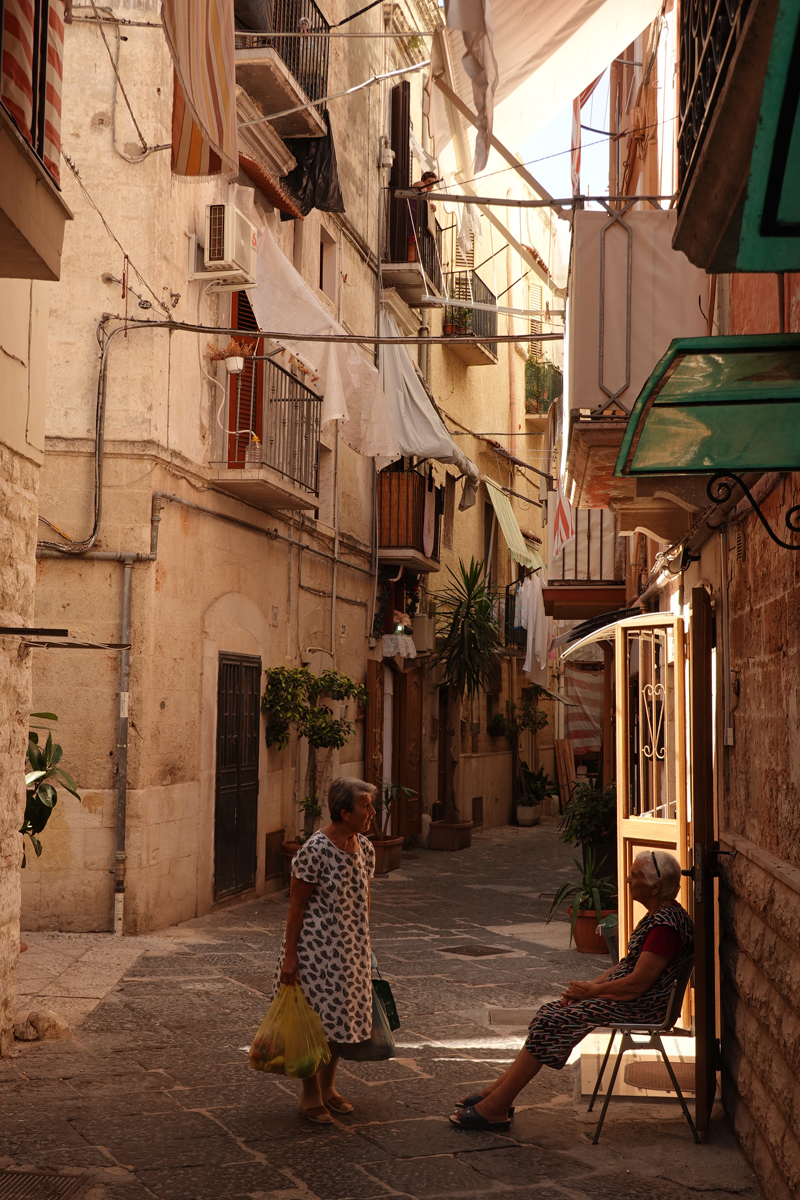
(234, 364)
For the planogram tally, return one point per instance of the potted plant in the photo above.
(293, 700)
(388, 849)
(592, 899)
(470, 647)
(497, 726)
(522, 717)
(40, 783)
(233, 355)
(590, 820)
(537, 785)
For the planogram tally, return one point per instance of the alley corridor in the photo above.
(153, 1097)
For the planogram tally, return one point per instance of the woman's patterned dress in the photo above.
(333, 950)
(556, 1028)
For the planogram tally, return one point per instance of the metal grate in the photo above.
(306, 59)
(475, 951)
(216, 233)
(41, 1185)
(467, 286)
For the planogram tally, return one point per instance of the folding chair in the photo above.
(654, 1042)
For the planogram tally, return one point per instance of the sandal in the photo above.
(470, 1118)
(338, 1104)
(475, 1098)
(318, 1115)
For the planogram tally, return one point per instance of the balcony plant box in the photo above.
(450, 835)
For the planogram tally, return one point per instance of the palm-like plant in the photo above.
(471, 645)
(593, 891)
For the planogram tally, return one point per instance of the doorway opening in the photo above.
(236, 795)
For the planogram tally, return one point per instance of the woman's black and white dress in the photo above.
(557, 1028)
(333, 950)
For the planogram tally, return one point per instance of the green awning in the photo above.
(716, 404)
(521, 550)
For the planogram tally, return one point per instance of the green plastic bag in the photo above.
(379, 1045)
(291, 1040)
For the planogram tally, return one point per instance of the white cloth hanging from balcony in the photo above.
(348, 382)
(419, 428)
(520, 64)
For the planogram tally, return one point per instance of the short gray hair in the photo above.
(343, 794)
(663, 868)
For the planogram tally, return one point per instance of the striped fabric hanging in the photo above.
(26, 83)
(201, 41)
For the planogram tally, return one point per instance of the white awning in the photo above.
(347, 380)
(517, 65)
(419, 428)
(521, 550)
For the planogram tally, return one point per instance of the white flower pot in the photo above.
(234, 365)
(529, 814)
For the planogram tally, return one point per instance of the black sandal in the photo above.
(470, 1118)
(475, 1098)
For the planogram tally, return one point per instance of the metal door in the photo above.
(236, 801)
(704, 853)
(407, 819)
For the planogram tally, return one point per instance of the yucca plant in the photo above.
(471, 643)
(593, 891)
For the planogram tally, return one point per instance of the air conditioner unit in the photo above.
(228, 258)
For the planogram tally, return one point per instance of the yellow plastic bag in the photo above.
(291, 1040)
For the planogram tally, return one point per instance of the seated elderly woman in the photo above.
(635, 990)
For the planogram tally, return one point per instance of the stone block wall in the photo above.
(760, 891)
(18, 510)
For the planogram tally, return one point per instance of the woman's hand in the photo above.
(579, 990)
(290, 971)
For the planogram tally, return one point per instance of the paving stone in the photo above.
(414, 1138)
(230, 1182)
(520, 1165)
(438, 1176)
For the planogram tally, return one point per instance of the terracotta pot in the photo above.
(448, 328)
(23, 946)
(587, 939)
(388, 852)
(446, 835)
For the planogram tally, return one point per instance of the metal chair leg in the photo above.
(624, 1045)
(678, 1091)
(602, 1070)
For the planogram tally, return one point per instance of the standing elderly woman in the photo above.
(327, 948)
(636, 989)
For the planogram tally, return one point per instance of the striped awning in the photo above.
(25, 60)
(523, 552)
(200, 37)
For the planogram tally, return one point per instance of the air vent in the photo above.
(215, 250)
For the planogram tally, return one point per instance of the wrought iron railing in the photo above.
(709, 33)
(466, 286)
(544, 383)
(401, 513)
(411, 239)
(306, 58)
(274, 422)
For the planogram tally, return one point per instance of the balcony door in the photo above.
(236, 797)
(245, 394)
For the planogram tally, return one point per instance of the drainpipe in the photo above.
(122, 749)
(335, 545)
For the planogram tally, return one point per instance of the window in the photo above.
(466, 261)
(32, 54)
(327, 264)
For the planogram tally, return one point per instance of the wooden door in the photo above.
(651, 749)
(407, 818)
(236, 799)
(373, 738)
(704, 847)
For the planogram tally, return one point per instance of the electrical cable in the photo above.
(72, 166)
(361, 11)
(120, 84)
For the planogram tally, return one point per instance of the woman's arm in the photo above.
(299, 895)
(630, 987)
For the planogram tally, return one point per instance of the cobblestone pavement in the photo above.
(154, 1098)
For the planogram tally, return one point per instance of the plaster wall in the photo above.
(23, 357)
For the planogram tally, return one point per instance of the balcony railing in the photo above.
(306, 58)
(466, 286)
(401, 513)
(709, 33)
(274, 422)
(544, 383)
(411, 239)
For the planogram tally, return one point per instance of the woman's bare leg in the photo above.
(507, 1087)
(327, 1076)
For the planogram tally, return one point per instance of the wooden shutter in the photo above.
(400, 177)
(407, 818)
(373, 737)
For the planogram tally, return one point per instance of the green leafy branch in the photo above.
(41, 793)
